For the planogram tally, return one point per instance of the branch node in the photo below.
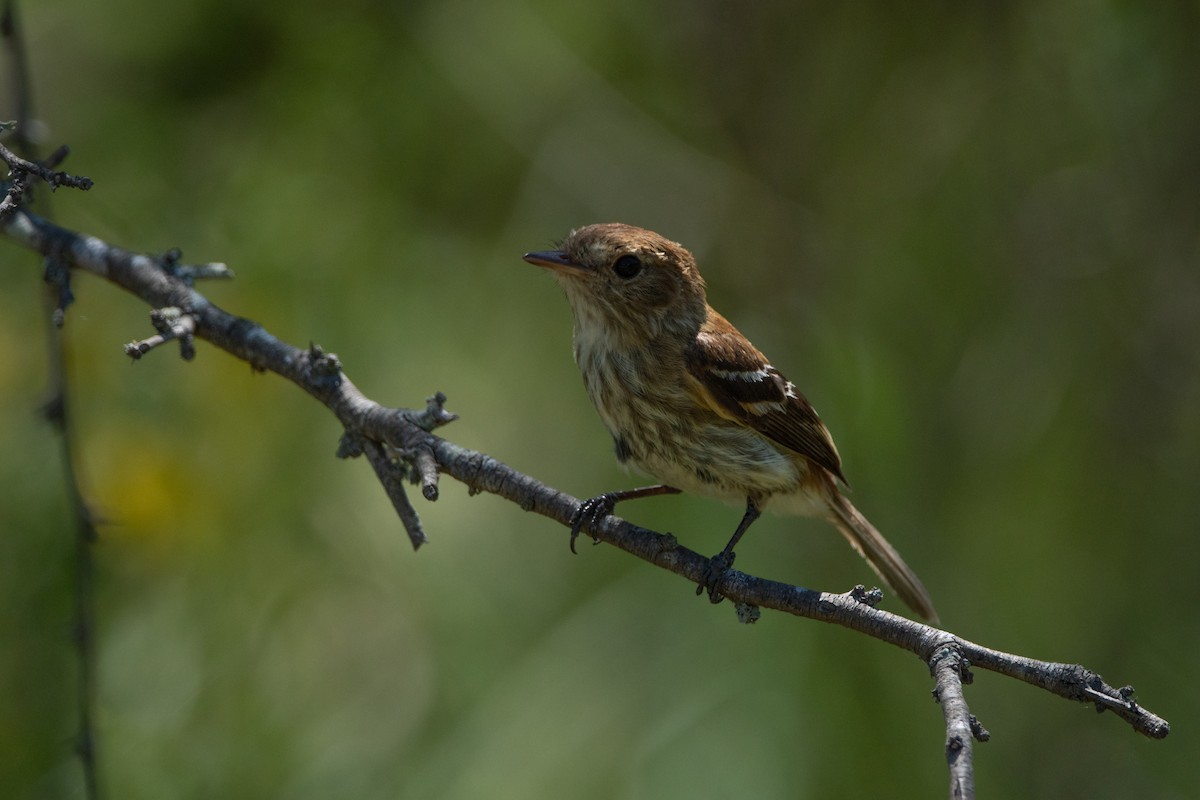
(950, 651)
(171, 322)
(1106, 701)
(978, 731)
(168, 262)
(326, 368)
(163, 319)
(350, 445)
(868, 597)
(747, 614)
(434, 415)
(665, 544)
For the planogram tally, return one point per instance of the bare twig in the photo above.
(52, 178)
(434, 414)
(391, 475)
(190, 273)
(171, 323)
(951, 671)
(369, 426)
(83, 629)
(425, 467)
(57, 406)
(21, 170)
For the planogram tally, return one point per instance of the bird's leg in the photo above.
(724, 559)
(594, 509)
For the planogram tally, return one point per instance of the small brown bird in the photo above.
(689, 400)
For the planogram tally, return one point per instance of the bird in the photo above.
(691, 402)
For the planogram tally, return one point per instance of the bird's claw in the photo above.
(718, 565)
(589, 513)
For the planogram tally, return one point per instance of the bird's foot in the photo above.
(590, 512)
(718, 565)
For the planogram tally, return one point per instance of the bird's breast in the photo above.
(646, 400)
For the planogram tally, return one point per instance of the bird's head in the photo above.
(628, 281)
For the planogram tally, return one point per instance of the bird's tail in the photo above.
(882, 557)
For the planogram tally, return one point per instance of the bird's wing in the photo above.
(738, 383)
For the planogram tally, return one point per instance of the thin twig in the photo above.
(57, 407)
(83, 629)
(21, 170)
(426, 471)
(171, 323)
(951, 671)
(53, 178)
(391, 477)
(190, 273)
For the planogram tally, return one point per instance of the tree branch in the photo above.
(373, 428)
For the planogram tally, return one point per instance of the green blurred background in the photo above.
(967, 231)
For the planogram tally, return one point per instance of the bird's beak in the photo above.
(554, 259)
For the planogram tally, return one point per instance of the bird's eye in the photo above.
(627, 266)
